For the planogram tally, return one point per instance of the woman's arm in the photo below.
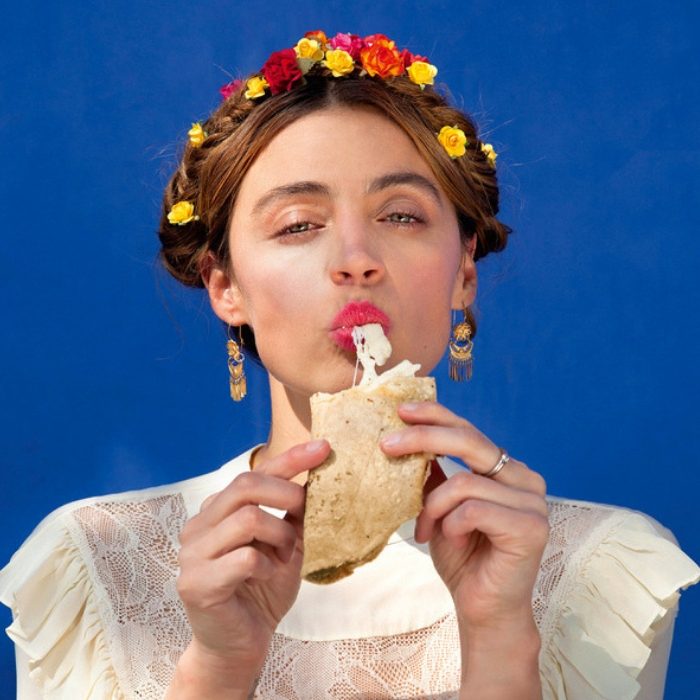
(239, 575)
(487, 537)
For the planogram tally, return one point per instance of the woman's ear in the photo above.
(464, 292)
(224, 294)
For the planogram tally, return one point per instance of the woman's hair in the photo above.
(210, 174)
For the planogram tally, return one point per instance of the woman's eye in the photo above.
(402, 218)
(296, 228)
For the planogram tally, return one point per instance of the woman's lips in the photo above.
(356, 313)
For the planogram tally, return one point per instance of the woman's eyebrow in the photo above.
(290, 190)
(405, 178)
(316, 188)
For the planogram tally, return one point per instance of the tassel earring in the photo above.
(460, 360)
(237, 380)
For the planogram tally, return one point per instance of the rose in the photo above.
(408, 58)
(422, 73)
(182, 213)
(319, 36)
(256, 87)
(372, 38)
(197, 135)
(348, 42)
(381, 58)
(228, 89)
(309, 49)
(339, 62)
(281, 71)
(453, 140)
(490, 153)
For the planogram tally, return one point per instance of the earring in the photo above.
(460, 360)
(237, 381)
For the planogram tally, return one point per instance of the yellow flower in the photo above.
(197, 135)
(309, 48)
(491, 155)
(339, 62)
(453, 140)
(256, 87)
(181, 213)
(422, 73)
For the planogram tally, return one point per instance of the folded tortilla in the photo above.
(359, 496)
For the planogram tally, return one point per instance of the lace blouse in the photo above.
(97, 615)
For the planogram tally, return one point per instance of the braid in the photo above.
(210, 173)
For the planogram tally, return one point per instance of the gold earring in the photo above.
(237, 381)
(460, 360)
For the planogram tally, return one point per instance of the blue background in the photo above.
(586, 360)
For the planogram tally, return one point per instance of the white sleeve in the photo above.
(26, 688)
(59, 639)
(613, 631)
(652, 677)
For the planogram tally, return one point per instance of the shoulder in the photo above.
(88, 562)
(609, 577)
(183, 496)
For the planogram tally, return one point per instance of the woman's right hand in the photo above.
(240, 566)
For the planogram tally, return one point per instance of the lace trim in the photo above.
(420, 664)
(606, 576)
(131, 551)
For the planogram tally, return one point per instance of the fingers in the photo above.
(434, 428)
(268, 485)
(464, 487)
(296, 460)
(223, 576)
(249, 525)
(504, 526)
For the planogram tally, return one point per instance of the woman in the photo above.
(337, 183)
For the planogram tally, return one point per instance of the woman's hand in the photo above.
(240, 571)
(487, 537)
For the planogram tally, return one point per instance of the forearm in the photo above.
(501, 663)
(199, 675)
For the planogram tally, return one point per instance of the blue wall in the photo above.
(587, 355)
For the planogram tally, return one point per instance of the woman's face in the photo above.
(341, 208)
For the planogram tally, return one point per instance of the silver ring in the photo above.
(503, 460)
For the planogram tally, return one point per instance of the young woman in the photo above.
(336, 188)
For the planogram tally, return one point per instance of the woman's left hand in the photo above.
(486, 535)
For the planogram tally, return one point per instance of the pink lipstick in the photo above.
(356, 313)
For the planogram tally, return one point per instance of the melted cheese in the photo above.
(374, 349)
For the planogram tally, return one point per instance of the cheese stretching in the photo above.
(359, 496)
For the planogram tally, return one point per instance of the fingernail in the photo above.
(391, 440)
(409, 406)
(315, 445)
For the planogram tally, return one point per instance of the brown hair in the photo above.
(210, 175)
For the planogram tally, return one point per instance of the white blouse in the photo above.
(97, 615)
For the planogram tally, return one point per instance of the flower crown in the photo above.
(343, 55)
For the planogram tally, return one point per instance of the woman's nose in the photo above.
(355, 262)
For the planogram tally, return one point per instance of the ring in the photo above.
(503, 460)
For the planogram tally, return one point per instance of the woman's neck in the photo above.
(290, 424)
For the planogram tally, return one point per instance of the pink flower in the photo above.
(228, 89)
(348, 42)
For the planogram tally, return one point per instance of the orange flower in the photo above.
(382, 58)
(319, 36)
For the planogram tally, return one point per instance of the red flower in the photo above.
(228, 89)
(381, 57)
(281, 71)
(408, 58)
